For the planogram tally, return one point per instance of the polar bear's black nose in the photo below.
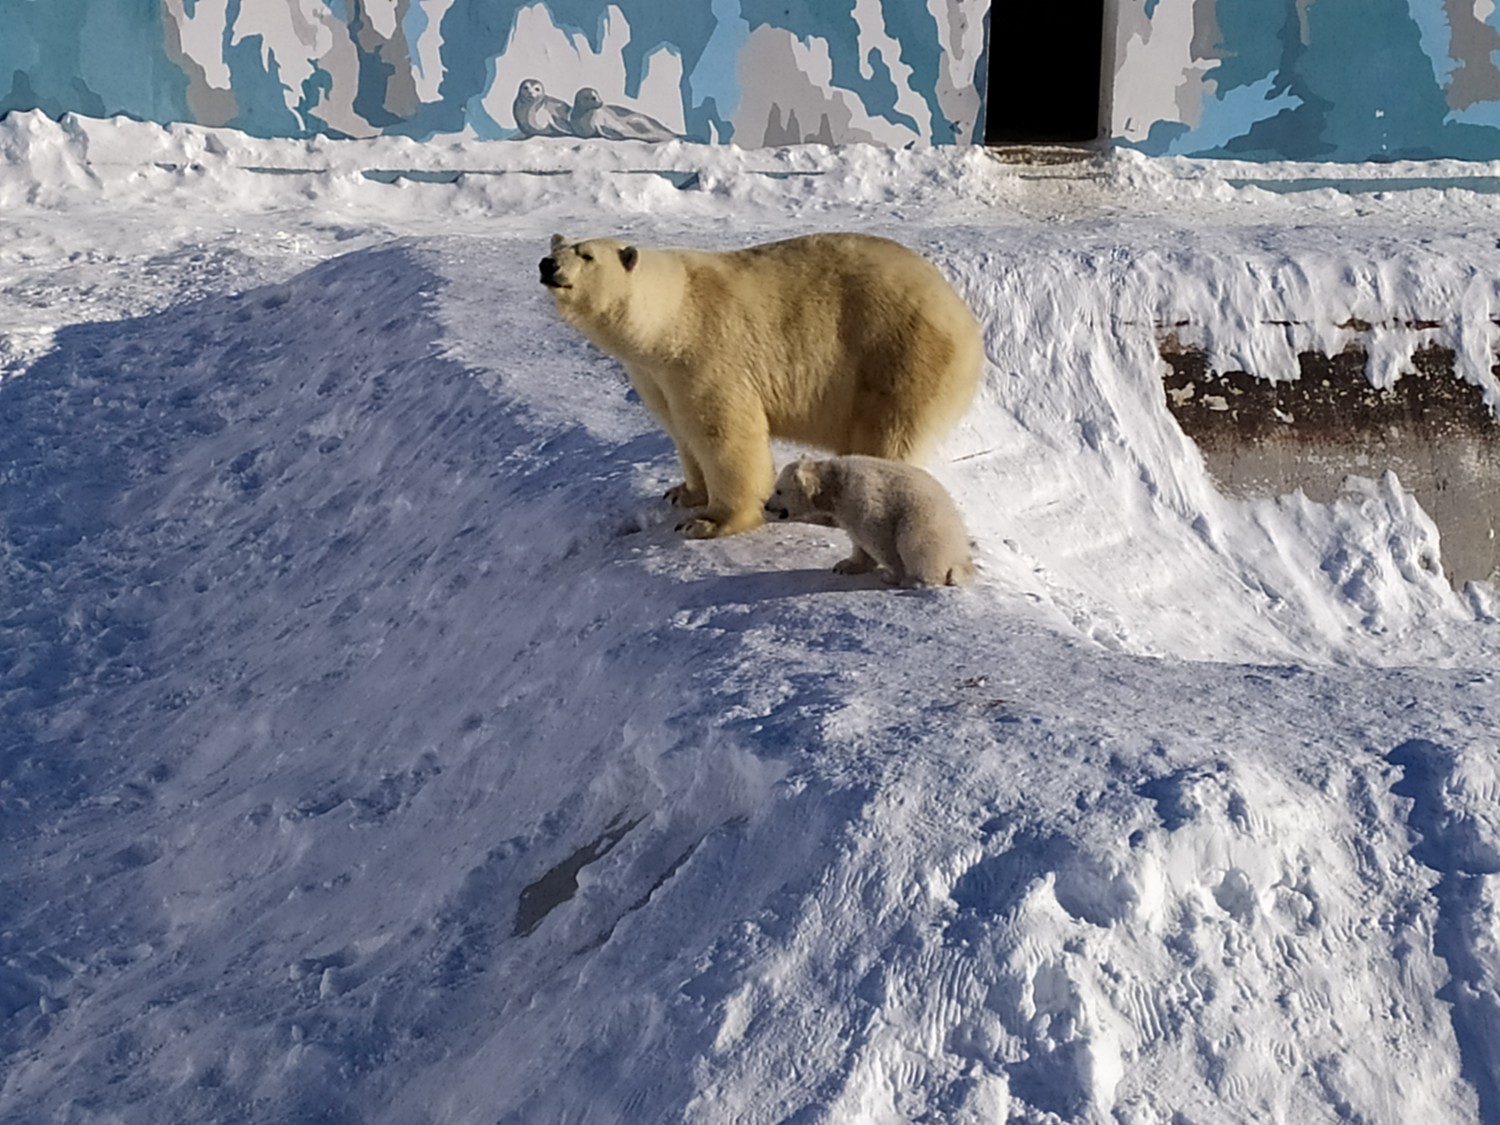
(548, 267)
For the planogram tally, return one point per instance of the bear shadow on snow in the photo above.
(217, 506)
(774, 585)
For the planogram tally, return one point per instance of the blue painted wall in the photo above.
(756, 72)
(1329, 80)
(1340, 80)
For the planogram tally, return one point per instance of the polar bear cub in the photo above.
(845, 342)
(899, 517)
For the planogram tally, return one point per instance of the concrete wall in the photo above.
(1337, 80)
(1432, 428)
(1341, 80)
(757, 72)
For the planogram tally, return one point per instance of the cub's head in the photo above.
(590, 279)
(803, 494)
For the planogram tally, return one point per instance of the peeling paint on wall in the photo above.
(753, 71)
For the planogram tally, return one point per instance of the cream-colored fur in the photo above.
(898, 516)
(842, 341)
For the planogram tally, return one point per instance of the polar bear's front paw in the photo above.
(715, 526)
(700, 528)
(682, 496)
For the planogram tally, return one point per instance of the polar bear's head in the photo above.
(589, 280)
(803, 494)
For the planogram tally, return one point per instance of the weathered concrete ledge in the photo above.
(1434, 430)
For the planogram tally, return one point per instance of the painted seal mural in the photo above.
(539, 114)
(755, 72)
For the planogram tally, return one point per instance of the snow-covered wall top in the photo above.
(758, 72)
(1338, 80)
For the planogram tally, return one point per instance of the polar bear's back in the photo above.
(852, 342)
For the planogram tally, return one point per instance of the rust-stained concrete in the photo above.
(1432, 429)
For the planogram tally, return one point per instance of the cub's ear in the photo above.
(628, 257)
(808, 481)
(558, 242)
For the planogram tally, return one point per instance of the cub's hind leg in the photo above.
(860, 561)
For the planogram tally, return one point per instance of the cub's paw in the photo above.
(681, 496)
(853, 565)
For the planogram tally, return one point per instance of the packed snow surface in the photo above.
(371, 750)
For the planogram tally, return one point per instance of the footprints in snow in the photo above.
(1228, 881)
(1181, 797)
(1455, 817)
(1455, 797)
(1107, 886)
(1086, 888)
(1083, 952)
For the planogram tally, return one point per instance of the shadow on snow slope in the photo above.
(360, 763)
(275, 566)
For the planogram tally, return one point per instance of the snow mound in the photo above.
(372, 751)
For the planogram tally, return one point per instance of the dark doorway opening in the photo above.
(1045, 71)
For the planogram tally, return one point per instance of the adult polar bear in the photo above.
(843, 341)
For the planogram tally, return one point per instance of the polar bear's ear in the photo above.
(808, 480)
(628, 257)
(558, 242)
